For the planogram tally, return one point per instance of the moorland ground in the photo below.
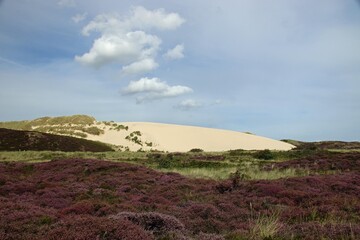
(297, 194)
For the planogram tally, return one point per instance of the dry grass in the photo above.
(266, 227)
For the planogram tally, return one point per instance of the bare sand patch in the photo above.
(179, 138)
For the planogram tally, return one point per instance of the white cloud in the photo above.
(175, 53)
(105, 24)
(79, 17)
(154, 88)
(139, 19)
(188, 104)
(66, 3)
(123, 48)
(124, 40)
(145, 19)
(142, 66)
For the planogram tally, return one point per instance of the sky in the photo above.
(284, 69)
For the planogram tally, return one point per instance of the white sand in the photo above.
(177, 138)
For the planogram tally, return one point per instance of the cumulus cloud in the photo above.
(125, 39)
(140, 19)
(142, 66)
(123, 48)
(153, 88)
(160, 19)
(175, 53)
(79, 17)
(188, 104)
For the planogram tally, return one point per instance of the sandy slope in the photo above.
(169, 137)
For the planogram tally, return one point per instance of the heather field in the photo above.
(256, 195)
(179, 120)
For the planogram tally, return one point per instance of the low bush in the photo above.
(264, 154)
(93, 130)
(121, 127)
(236, 152)
(196, 150)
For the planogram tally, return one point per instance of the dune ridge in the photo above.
(180, 138)
(136, 136)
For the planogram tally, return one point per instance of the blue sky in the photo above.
(277, 68)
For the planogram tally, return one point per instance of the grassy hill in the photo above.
(15, 140)
(76, 125)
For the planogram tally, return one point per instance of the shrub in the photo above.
(134, 137)
(121, 127)
(79, 134)
(93, 130)
(164, 162)
(196, 150)
(236, 152)
(264, 154)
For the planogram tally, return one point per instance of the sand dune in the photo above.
(178, 138)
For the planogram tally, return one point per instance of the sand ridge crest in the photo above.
(181, 138)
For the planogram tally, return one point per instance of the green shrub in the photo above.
(107, 123)
(264, 154)
(164, 162)
(137, 133)
(196, 150)
(79, 134)
(134, 137)
(236, 152)
(121, 127)
(93, 130)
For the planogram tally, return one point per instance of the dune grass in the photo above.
(251, 173)
(208, 173)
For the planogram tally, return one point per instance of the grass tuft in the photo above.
(266, 227)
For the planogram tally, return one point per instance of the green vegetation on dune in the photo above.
(28, 124)
(135, 138)
(76, 125)
(74, 119)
